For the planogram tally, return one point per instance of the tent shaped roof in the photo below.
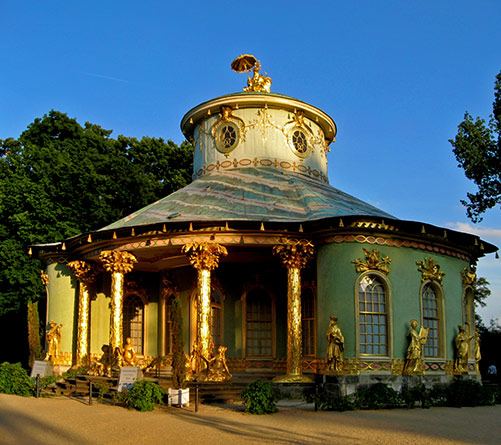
(251, 194)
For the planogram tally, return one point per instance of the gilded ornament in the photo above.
(430, 270)
(117, 261)
(469, 276)
(294, 253)
(44, 277)
(372, 262)
(83, 271)
(204, 255)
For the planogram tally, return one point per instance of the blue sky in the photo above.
(396, 76)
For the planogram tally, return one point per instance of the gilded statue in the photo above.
(110, 360)
(462, 344)
(53, 341)
(129, 355)
(335, 345)
(414, 363)
(256, 83)
(218, 368)
(476, 351)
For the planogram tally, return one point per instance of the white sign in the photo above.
(41, 368)
(128, 375)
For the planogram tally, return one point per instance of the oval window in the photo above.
(227, 136)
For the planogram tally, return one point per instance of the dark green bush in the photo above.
(15, 380)
(416, 395)
(260, 398)
(468, 393)
(377, 396)
(327, 402)
(144, 395)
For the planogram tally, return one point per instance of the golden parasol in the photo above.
(243, 63)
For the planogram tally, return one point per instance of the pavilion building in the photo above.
(261, 251)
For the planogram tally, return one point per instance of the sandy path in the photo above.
(61, 420)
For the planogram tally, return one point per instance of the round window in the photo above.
(227, 136)
(299, 142)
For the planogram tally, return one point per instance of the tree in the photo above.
(178, 357)
(59, 179)
(477, 148)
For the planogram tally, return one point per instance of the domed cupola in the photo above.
(258, 129)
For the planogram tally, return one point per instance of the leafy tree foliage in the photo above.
(477, 147)
(59, 179)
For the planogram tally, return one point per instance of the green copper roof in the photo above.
(251, 194)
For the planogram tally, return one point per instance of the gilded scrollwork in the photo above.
(469, 276)
(372, 262)
(430, 271)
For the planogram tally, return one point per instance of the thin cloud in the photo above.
(102, 76)
(483, 232)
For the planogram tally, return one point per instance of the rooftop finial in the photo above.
(256, 83)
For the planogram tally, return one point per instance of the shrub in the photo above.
(15, 380)
(416, 394)
(468, 393)
(327, 402)
(260, 398)
(144, 395)
(103, 388)
(377, 396)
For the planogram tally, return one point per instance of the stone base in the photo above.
(292, 378)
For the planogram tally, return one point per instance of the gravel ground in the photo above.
(62, 420)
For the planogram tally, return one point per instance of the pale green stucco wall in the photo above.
(336, 293)
(62, 306)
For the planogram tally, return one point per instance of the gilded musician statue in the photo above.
(414, 363)
(335, 346)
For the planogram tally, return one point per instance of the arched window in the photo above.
(308, 320)
(431, 320)
(133, 321)
(373, 316)
(259, 323)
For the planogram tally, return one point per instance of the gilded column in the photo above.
(205, 258)
(85, 274)
(118, 264)
(294, 255)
